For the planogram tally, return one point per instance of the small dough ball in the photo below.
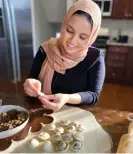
(34, 143)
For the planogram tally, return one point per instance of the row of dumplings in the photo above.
(66, 136)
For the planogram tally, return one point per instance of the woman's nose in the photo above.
(73, 40)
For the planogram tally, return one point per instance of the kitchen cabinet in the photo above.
(119, 67)
(131, 9)
(130, 66)
(105, 7)
(122, 9)
(54, 10)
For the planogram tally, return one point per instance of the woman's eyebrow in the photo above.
(85, 34)
(73, 29)
(70, 26)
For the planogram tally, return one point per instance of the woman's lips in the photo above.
(70, 45)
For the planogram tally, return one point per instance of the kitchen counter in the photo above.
(120, 44)
(111, 120)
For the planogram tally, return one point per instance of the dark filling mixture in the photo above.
(12, 119)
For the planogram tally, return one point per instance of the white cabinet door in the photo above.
(55, 10)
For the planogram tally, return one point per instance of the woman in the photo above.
(68, 69)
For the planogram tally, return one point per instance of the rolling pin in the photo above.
(126, 141)
(130, 128)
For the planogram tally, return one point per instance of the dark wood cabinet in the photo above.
(118, 9)
(122, 9)
(119, 68)
(130, 66)
(131, 9)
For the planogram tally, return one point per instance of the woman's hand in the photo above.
(54, 102)
(32, 87)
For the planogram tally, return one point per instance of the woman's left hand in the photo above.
(54, 102)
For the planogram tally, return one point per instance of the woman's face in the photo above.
(75, 34)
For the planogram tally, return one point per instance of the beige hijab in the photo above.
(57, 59)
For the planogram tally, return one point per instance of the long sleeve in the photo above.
(37, 63)
(96, 77)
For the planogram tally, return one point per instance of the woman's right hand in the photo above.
(32, 87)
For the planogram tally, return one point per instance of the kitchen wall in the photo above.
(126, 27)
(42, 29)
(54, 9)
(45, 16)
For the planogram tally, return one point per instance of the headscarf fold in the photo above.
(57, 58)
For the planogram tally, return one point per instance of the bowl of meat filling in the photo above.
(12, 120)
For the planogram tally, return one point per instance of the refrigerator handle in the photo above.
(17, 55)
(13, 40)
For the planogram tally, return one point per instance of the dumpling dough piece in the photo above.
(43, 136)
(34, 143)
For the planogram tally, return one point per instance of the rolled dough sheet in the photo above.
(96, 139)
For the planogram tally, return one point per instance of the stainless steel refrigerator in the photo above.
(16, 48)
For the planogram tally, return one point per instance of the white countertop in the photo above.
(120, 44)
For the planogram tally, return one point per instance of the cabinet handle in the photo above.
(126, 14)
(116, 57)
(113, 74)
(117, 49)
